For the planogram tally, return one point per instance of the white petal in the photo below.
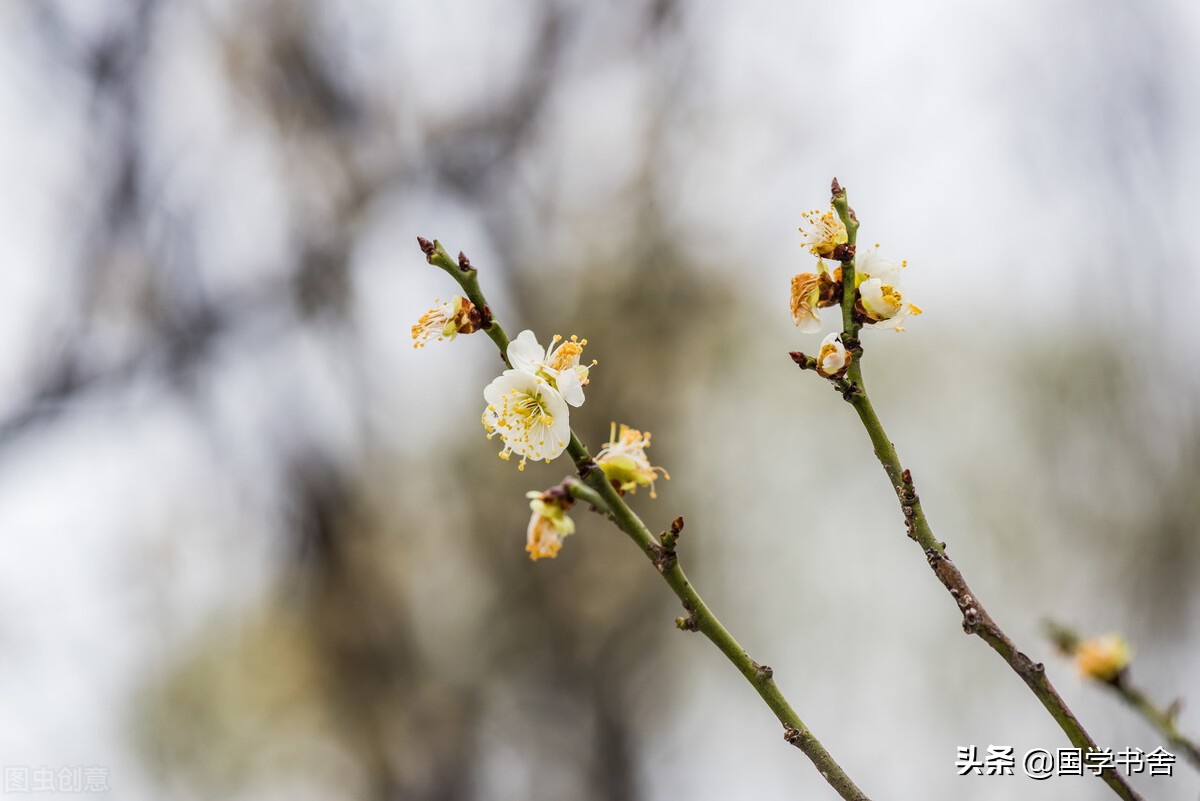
(873, 300)
(810, 324)
(871, 265)
(571, 387)
(524, 352)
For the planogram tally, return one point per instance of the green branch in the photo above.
(976, 619)
(594, 489)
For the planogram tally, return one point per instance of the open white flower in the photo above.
(559, 363)
(549, 524)
(529, 414)
(879, 291)
(833, 359)
(823, 232)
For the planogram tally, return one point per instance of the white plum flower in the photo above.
(529, 414)
(559, 363)
(879, 291)
(823, 232)
(833, 360)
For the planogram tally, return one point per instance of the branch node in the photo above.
(687, 623)
(795, 736)
(664, 554)
(464, 263)
(848, 389)
(764, 671)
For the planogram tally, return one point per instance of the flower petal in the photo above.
(524, 353)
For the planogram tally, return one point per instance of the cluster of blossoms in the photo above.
(624, 463)
(879, 301)
(528, 407)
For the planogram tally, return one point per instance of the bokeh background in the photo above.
(255, 545)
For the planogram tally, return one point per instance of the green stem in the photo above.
(701, 618)
(1158, 718)
(849, 289)
(976, 620)
(596, 490)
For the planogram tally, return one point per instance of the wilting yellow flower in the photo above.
(1103, 658)
(823, 232)
(806, 292)
(559, 363)
(446, 321)
(549, 523)
(812, 292)
(833, 360)
(624, 462)
(529, 414)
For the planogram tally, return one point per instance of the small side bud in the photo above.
(1103, 658)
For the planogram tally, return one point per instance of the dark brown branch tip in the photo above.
(835, 188)
(464, 263)
(560, 494)
(677, 525)
(426, 247)
(805, 362)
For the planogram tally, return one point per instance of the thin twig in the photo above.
(596, 490)
(976, 619)
(1067, 640)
